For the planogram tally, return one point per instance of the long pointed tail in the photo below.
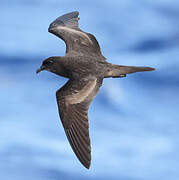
(121, 71)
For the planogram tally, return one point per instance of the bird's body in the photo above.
(85, 67)
(77, 67)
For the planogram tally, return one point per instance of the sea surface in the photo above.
(134, 121)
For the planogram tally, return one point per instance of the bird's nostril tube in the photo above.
(40, 69)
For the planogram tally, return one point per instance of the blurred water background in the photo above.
(133, 121)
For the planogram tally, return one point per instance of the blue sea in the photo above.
(134, 121)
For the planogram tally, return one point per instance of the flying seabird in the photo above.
(85, 67)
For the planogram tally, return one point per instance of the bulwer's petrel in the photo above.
(85, 67)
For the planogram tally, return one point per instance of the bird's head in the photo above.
(48, 64)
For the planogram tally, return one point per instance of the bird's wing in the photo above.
(77, 41)
(73, 101)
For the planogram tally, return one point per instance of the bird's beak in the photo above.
(40, 69)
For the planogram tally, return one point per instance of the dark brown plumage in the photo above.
(85, 66)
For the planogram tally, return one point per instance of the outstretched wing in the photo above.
(77, 41)
(73, 101)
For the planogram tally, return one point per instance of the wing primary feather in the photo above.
(81, 144)
(82, 128)
(84, 139)
(73, 145)
(78, 151)
(69, 20)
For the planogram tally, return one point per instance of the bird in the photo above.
(85, 67)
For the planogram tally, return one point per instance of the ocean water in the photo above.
(133, 121)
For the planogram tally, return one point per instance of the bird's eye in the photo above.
(47, 62)
(50, 62)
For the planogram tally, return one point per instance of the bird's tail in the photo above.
(117, 71)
